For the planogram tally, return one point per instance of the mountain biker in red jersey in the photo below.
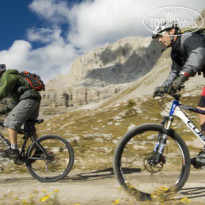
(188, 58)
(24, 106)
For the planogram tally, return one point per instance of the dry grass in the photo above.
(95, 133)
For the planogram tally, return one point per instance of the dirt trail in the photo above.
(93, 188)
(78, 188)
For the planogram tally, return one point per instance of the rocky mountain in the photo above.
(101, 73)
(105, 72)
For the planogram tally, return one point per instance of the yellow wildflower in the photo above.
(44, 198)
(117, 201)
(162, 188)
(185, 200)
(24, 202)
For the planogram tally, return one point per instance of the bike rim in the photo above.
(58, 160)
(137, 174)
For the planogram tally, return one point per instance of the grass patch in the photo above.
(95, 133)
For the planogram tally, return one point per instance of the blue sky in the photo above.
(16, 18)
(46, 36)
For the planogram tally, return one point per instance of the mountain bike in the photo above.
(151, 156)
(48, 158)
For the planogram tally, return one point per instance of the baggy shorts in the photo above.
(27, 109)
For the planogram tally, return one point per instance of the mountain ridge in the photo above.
(102, 72)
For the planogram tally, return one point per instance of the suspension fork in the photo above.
(167, 122)
(161, 140)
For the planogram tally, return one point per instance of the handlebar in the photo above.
(172, 93)
(175, 96)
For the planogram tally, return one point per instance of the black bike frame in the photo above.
(26, 138)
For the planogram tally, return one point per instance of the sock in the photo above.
(14, 146)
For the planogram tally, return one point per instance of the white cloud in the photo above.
(48, 61)
(101, 21)
(43, 35)
(89, 24)
(95, 23)
(55, 11)
(52, 59)
(16, 55)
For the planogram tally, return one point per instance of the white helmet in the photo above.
(165, 26)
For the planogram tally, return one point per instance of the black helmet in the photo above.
(2, 67)
(165, 26)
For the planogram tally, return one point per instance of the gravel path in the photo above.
(93, 188)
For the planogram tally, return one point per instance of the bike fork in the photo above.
(161, 140)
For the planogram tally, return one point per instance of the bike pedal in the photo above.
(198, 166)
(18, 161)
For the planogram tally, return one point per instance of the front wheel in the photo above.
(132, 165)
(55, 164)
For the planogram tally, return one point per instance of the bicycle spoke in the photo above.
(133, 163)
(57, 161)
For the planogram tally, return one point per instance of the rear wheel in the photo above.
(133, 167)
(54, 165)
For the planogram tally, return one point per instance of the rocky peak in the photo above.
(103, 72)
(111, 64)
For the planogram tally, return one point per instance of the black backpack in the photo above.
(33, 80)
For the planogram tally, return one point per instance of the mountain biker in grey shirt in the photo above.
(188, 58)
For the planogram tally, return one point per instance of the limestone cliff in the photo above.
(102, 72)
